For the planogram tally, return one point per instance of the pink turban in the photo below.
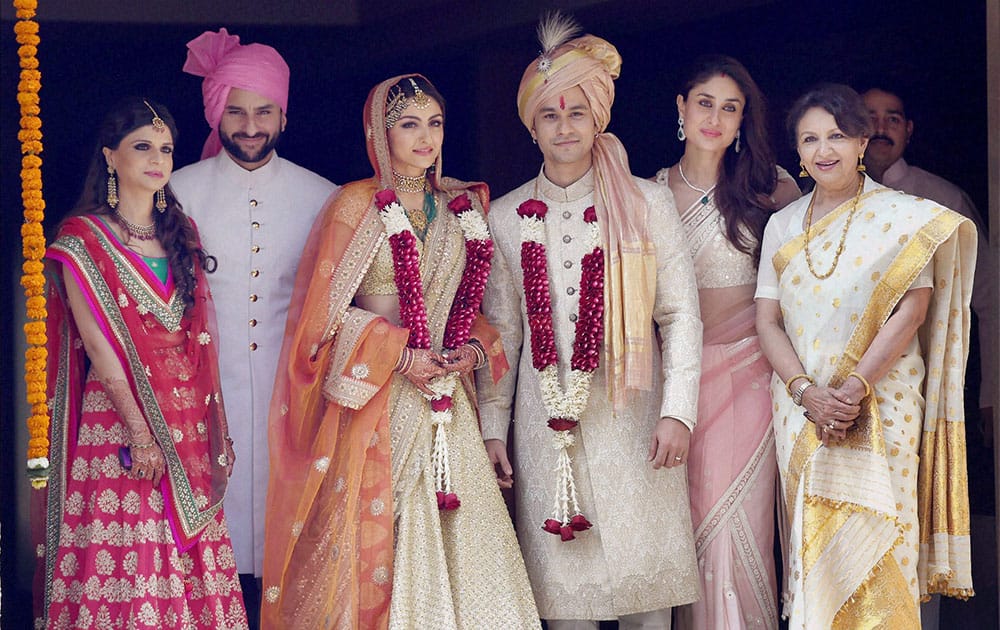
(592, 64)
(226, 64)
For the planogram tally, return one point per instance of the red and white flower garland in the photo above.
(413, 311)
(564, 407)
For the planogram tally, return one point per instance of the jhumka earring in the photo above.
(161, 201)
(737, 147)
(803, 172)
(680, 129)
(861, 163)
(112, 188)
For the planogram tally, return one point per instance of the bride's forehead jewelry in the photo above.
(420, 100)
(158, 123)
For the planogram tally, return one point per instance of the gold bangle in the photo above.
(864, 381)
(788, 383)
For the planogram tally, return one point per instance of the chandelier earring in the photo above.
(112, 188)
(161, 201)
(861, 163)
(737, 147)
(803, 172)
(680, 129)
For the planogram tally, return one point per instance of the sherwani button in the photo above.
(567, 263)
(254, 273)
(253, 297)
(253, 322)
(253, 346)
(567, 214)
(567, 238)
(255, 225)
(571, 290)
(255, 249)
(572, 317)
(253, 203)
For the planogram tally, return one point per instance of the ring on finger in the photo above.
(678, 459)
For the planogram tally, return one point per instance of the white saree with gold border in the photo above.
(881, 519)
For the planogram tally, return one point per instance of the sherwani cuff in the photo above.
(686, 422)
(495, 423)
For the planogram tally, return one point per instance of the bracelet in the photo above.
(864, 381)
(405, 362)
(801, 389)
(788, 383)
(480, 353)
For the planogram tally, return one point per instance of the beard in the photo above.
(235, 150)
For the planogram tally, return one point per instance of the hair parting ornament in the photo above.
(157, 122)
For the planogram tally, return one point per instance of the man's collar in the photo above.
(577, 190)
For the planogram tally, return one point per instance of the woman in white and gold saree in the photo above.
(863, 311)
(383, 509)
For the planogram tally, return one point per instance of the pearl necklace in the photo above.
(704, 193)
(141, 232)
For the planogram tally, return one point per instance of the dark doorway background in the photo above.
(934, 53)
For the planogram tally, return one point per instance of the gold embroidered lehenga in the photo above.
(119, 551)
(355, 538)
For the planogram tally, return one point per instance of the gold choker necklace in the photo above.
(141, 232)
(407, 184)
(843, 235)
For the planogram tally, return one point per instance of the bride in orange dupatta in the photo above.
(383, 509)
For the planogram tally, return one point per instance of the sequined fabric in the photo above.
(639, 556)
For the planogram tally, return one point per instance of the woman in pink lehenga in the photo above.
(134, 536)
(726, 185)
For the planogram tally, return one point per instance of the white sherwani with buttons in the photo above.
(255, 223)
(639, 556)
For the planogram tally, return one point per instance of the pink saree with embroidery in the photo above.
(118, 551)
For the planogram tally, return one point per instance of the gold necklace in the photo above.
(843, 235)
(408, 184)
(141, 232)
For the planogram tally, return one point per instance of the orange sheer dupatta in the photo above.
(324, 539)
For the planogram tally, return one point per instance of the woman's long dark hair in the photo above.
(746, 179)
(173, 228)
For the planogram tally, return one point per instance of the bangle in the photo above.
(801, 389)
(864, 381)
(477, 347)
(788, 383)
(405, 362)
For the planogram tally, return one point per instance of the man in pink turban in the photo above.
(589, 267)
(254, 210)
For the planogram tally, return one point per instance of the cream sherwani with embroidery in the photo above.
(639, 556)
(255, 224)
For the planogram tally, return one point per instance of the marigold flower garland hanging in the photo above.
(33, 241)
(413, 311)
(564, 407)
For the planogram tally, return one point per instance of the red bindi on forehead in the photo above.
(562, 102)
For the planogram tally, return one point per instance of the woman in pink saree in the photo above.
(140, 457)
(726, 185)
